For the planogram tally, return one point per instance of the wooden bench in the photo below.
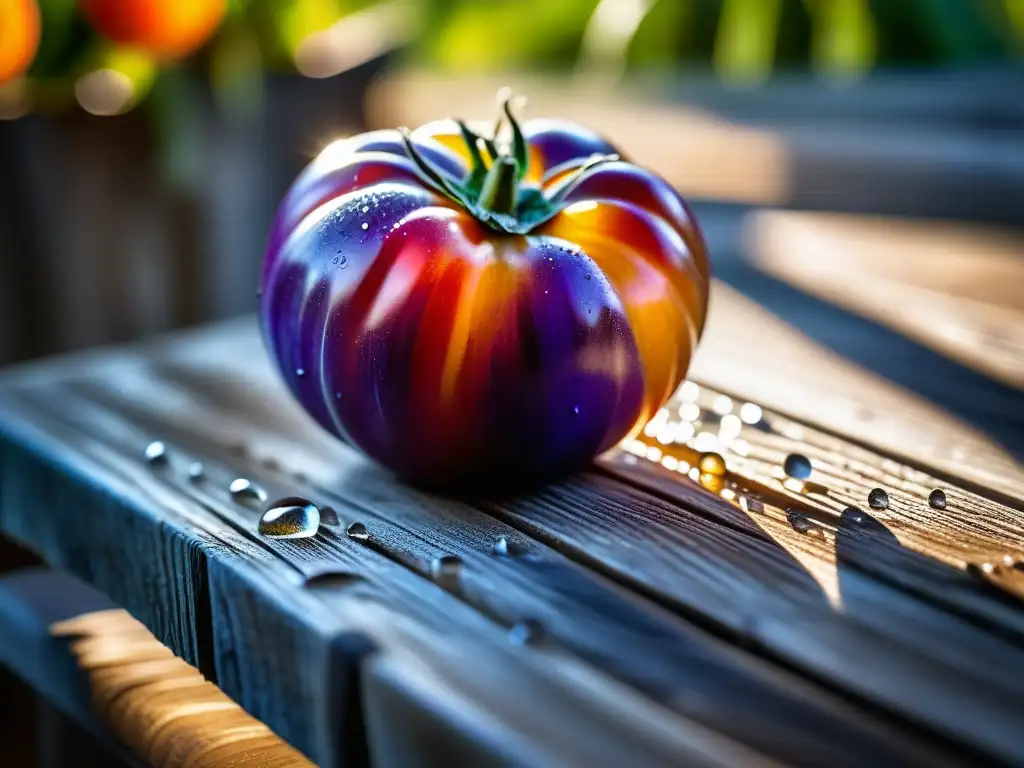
(629, 615)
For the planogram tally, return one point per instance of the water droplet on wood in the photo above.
(445, 570)
(196, 471)
(156, 453)
(711, 463)
(878, 498)
(856, 515)
(526, 632)
(799, 521)
(797, 466)
(501, 546)
(243, 489)
(714, 483)
(937, 499)
(328, 516)
(332, 579)
(290, 518)
(358, 532)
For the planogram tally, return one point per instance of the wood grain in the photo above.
(951, 287)
(678, 667)
(160, 706)
(712, 623)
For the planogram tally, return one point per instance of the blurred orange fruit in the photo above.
(167, 29)
(19, 36)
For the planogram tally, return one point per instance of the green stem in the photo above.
(501, 186)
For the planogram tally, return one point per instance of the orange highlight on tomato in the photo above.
(19, 37)
(168, 29)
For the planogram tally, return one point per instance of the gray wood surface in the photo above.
(635, 619)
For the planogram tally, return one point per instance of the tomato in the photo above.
(465, 310)
(19, 36)
(168, 29)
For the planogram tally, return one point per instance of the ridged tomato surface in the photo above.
(451, 352)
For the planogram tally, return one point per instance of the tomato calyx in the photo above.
(493, 190)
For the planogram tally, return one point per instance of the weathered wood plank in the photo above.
(951, 287)
(717, 567)
(644, 647)
(285, 650)
(780, 368)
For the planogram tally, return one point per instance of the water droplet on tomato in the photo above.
(588, 276)
(937, 499)
(575, 410)
(290, 518)
(300, 372)
(364, 225)
(156, 453)
(366, 209)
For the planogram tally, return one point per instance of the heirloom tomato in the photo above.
(167, 29)
(19, 37)
(464, 308)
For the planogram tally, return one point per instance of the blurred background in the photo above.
(857, 165)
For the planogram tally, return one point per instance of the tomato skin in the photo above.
(451, 353)
(168, 29)
(20, 31)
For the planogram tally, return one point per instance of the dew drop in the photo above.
(800, 522)
(937, 499)
(336, 259)
(526, 632)
(445, 570)
(365, 226)
(243, 489)
(290, 518)
(332, 579)
(711, 463)
(714, 483)
(366, 209)
(328, 516)
(501, 546)
(575, 410)
(358, 532)
(587, 277)
(195, 471)
(856, 515)
(878, 498)
(751, 413)
(797, 465)
(300, 372)
(156, 453)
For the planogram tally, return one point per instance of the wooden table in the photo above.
(627, 616)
